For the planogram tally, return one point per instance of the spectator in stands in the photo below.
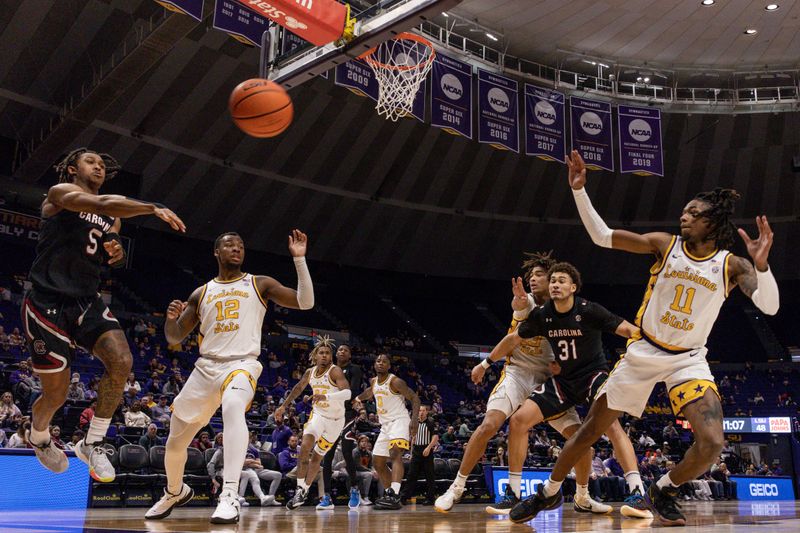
(156, 367)
(614, 485)
(281, 436)
(363, 423)
(254, 473)
(131, 396)
(203, 442)
(87, 415)
(150, 438)
(55, 436)
(303, 407)
(722, 475)
(727, 449)
(280, 387)
(218, 440)
(139, 329)
(77, 435)
(90, 390)
(499, 458)
(4, 342)
(287, 458)
(147, 404)
(160, 410)
(23, 385)
(154, 384)
(450, 436)
(464, 431)
(541, 441)
(763, 469)
(646, 441)
(8, 409)
(670, 433)
(3, 439)
(16, 339)
(75, 391)
(171, 387)
(135, 418)
(364, 470)
(20, 438)
(750, 470)
(131, 383)
(613, 466)
(758, 399)
(554, 451)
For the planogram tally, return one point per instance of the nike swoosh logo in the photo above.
(236, 388)
(693, 354)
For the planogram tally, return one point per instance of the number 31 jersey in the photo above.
(683, 298)
(231, 316)
(575, 336)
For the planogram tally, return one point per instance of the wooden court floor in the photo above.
(719, 517)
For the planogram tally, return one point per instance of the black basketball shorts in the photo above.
(557, 395)
(55, 325)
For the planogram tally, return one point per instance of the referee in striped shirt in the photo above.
(422, 457)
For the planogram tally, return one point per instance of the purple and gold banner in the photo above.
(592, 132)
(640, 146)
(193, 8)
(545, 124)
(358, 77)
(498, 111)
(451, 96)
(239, 22)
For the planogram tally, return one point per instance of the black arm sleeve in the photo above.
(356, 375)
(603, 319)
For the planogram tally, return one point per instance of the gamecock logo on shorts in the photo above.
(39, 347)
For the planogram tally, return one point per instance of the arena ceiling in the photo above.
(395, 196)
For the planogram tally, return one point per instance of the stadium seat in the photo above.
(134, 462)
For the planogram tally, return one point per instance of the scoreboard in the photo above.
(770, 424)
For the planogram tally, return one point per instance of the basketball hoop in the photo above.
(400, 65)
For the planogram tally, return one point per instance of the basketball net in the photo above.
(400, 65)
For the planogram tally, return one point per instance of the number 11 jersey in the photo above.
(575, 336)
(231, 316)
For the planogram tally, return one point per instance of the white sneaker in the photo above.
(96, 456)
(446, 501)
(227, 511)
(588, 505)
(269, 501)
(51, 457)
(365, 501)
(168, 502)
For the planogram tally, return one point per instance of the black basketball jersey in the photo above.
(575, 336)
(353, 375)
(70, 253)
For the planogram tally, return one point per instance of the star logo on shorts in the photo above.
(681, 395)
(698, 389)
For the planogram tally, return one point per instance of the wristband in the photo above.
(485, 363)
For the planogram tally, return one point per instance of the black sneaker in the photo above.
(389, 501)
(505, 505)
(299, 499)
(528, 508)
(664, 504)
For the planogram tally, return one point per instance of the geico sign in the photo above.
(763, 489)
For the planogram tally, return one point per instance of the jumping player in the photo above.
(347, 439)
(326, 421)
(63, 310)
(526, 367)
(230, 310)
(397, 431)
(690, 280)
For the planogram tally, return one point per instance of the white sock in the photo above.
(581, 492)
(97, 430)
(515, 482)
(634, 481)
(551, 487)
(396, 487)
(665, 481)
(459, 481)
(301, 484)
(39, 438)
(234, 429)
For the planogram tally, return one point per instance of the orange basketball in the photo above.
(261, 108)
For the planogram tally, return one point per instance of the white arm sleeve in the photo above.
(597, 228)
(339, 395)
(519, 316)
(766, 295)
(305, 289)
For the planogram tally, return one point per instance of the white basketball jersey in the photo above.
(231, 316)
(324, 385)
(391, 406)
(532, 355)
(683, 298)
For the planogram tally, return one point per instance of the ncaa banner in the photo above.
(640, 148)
(451, 96)
(544, 124)
(317, 21)
(498, 111)
(358, 77)
(193, 8)
(239, 22)
(592, 132)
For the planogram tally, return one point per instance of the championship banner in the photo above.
(451, 96)
(193, 8)
(640, 147)
(239, 22)
(291, 43)
(544, 124)
(592, 132)
(498, 111)
(358, 77)
(317, 21)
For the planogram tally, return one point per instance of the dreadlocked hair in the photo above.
(543, 260)
(721, 203)
(323, 341)
(71, 160)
